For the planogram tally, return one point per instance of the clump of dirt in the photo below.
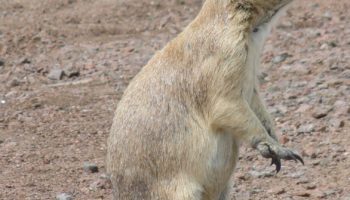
(65, 63)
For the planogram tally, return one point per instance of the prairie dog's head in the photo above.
(258, 13)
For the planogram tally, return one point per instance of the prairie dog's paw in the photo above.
(276, 153)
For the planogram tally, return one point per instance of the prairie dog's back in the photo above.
(152, 121)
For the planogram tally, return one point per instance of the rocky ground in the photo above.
(65, 63)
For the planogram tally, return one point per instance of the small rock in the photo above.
(100, 184)
(330, 192)
(332, 44)
(56, 74)
(277, 191)
(90, 167)
(316, 162)
(244, 177)
(319, 113)
(25, 61)
(71, 72)
(302, 194)
(346, 74)
(14, 83)
(303, 180)
(64, 196)
(315, 5)
(280, 58)
(322, 128)
(290, 95)
(256, 190)
(337, 123)
(303, 108)
(128, 50)
(311, 187)
(2, 63)
(324, 46)
(306, 128)
(295, 174)
(318, 194)
(327, 15)
(257, 174)
(105, 176)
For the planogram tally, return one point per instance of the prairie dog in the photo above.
(178, 127)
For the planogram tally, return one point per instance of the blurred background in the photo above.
(64, 65)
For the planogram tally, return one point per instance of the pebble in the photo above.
(296, 174)
(25, 61)
(302, 194)
(330, 192)
(257, 174)
(306, 128)
(64, 196)
(100, 184)
(2, 63)
(71, 72)
(328, 15)
(346, 74)
(322, 128)
(303, 180)
(56, 74)
(90, 167)
(277, 191)
(311, 186)
(280, 58)
(325, 162)
(303, 108)
(319, 113)
(324, 46)
(337, 123)
(14, 83)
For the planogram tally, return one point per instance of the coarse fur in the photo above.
(177, 129)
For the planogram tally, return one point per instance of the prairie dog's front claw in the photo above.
(276, 153)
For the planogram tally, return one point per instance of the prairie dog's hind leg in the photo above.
(181, 187)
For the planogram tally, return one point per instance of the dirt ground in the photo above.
(65, 63)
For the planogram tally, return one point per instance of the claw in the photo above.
(276, 162)
(297, 157)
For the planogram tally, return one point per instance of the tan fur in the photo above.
(177, 129)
